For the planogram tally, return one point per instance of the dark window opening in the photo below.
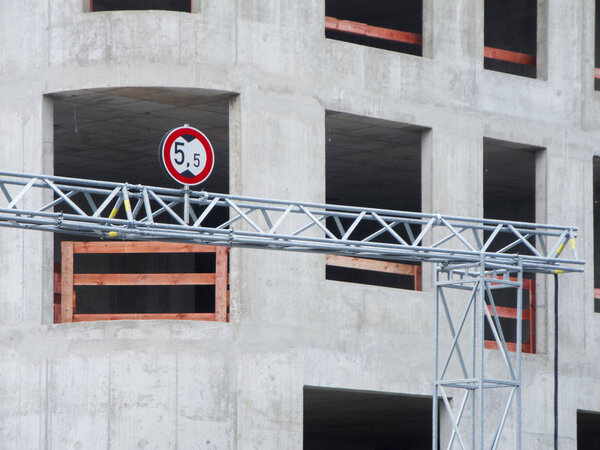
(505, 302)
(510, 36)
(509, 182)
(123, 5)
(374, 278)
(113, 135)
(145, 299)
(597, 48)
(509, 193)
(588, 430)
(376, 164)
(596, 166)
(395, 25)
(336, 419)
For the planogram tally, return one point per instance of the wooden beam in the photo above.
(66, 282)
(388, 34)
(57, 271)
(363, 29)
(140, 247)
(507, 55)
(221, 285)
(142, 279)
(146, 316)
(418, 276)
(511, 346)
(510, 313)
(532, 321)
(370, 264)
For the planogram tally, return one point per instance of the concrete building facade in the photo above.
(89, 93)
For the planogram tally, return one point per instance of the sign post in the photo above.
(187, 156)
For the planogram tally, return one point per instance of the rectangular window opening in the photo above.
(510, 36)
(596, 168)
(140, 280)
(588, 430)
(505, 303)
(395, 25)
(139, 5)
(509, 193)
(113, 135)
(597, 48)
(373, 163)
(365, 420)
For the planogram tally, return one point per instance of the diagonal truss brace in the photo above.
(138, 212)
(461, 368)
(476, 256)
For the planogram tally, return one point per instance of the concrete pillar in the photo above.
(26, 261)
(452, 168)
(453, 37)
(542, 40)
(564, 55)
(277, 150)
(452, 172)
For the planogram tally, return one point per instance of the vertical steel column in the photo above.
(479, 317)
(435, 410)
(479, 281)
(520, 345)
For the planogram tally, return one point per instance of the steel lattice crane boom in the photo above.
(93, 208)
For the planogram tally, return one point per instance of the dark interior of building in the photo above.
(120, 5)
(113, 135)
(596, 165)
(342, 419)
(588, 430)
(401, 15)
(509, 181)
(511, 26)
(597, 44)
(374, 163)
(509, 194)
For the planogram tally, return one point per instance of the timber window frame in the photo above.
(395, 25)
(66, 308)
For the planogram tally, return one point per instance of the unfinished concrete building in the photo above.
(477, 108)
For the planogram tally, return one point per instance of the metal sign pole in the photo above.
(186, 203)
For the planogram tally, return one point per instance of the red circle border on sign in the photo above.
(168, 165)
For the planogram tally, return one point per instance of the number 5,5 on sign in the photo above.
(186, 155)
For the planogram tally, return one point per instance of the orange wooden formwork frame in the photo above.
(69, 279)
(527, 315)
(363, 29)
(377, 266)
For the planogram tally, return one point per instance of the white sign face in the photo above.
(186, 154)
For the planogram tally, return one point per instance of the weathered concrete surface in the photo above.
(239, 385)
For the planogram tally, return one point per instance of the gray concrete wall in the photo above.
(239, 385)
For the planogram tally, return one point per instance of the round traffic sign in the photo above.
(186, 154)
